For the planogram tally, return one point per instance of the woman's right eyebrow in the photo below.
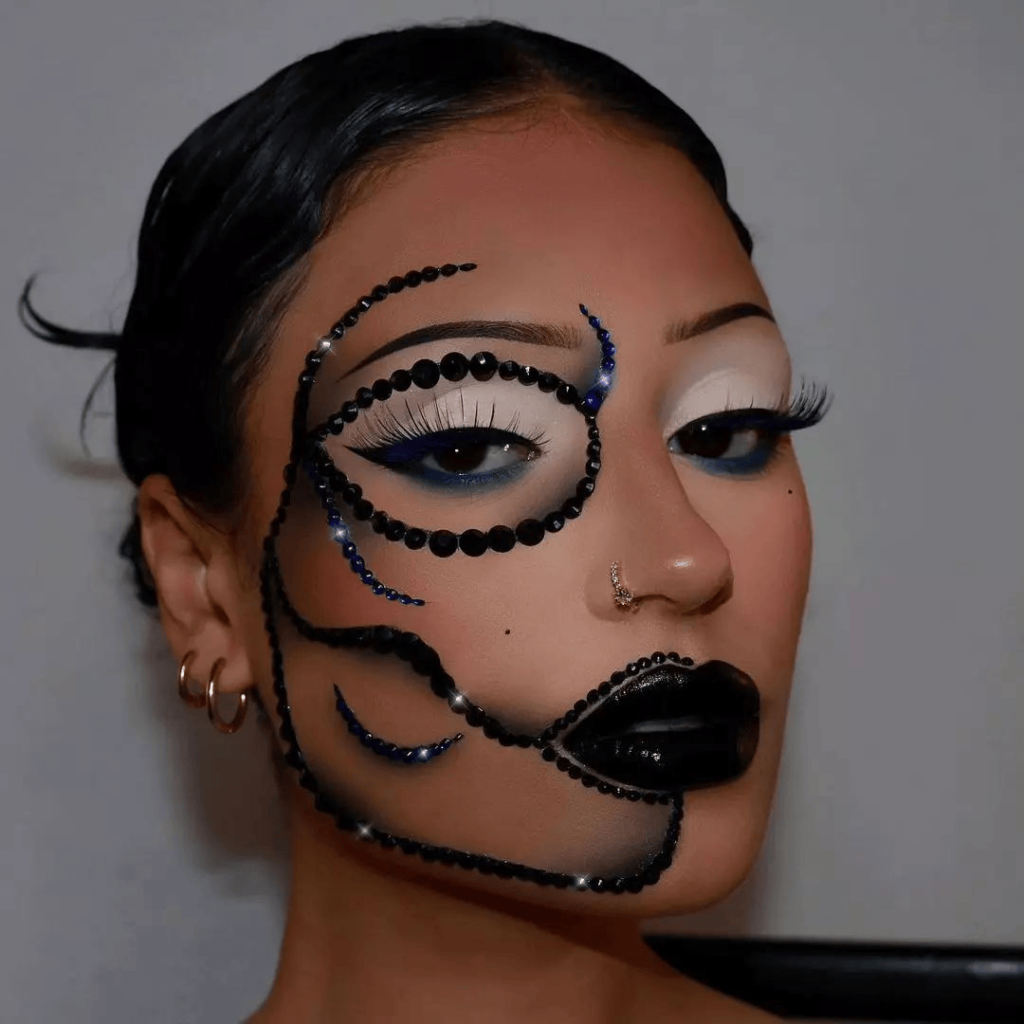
(551, 335)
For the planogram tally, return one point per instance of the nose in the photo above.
(665, 551)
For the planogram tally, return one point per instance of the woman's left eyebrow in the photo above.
(703, 323)
(552, 335)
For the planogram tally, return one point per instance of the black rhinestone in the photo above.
(593, 467)
(563, 764)
(454, 366)
(651, 876)
(362, 509)
(603, 787)
(430, 273)
(566, 394)
(473, 542)
(593, 449)
(530, 532)
(448, 269)
(394, 529)
(686, 661)
(379, 521)
(467, 266)
(338, 331)
(383, 639)
(396, 284)
(507, 740)
(380, 293)
(381, 390)
(351, 318)
(632, 668)
(617, 885)
(594, 434)
(388, 842)
(570, 716)
(589, 781)
(572, 509)
(574, 771)
(528, 374)
(401, 380)
(617, 677)
(508, 370)
(658, 658)
(349, 412)
(547, 382)
(633, 884)
(632, 796)
(364, 398)
(525, 742)
(553, 522)
(443, 543)
(335, 424)
(650, 798)
(415, 539)
(501, 538)
(475, 717)
(428, 854)
(597, 884)
(504, 870)
(604, 688)
(313, 360)
(425, 374)
(643, 663)
(593, 697)
(413, 278)
(548, 754)
(483, 366)
(351, 493)
(365, 303)
(580, 706)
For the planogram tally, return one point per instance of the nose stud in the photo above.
(623, 597)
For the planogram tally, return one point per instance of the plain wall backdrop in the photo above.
(876, 150)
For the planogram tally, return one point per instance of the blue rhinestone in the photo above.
(418, 602)
(608, 365)
(379, 746)
(608, 350)
(378, 588)
(584, 310)
(334, 518)
(594, 322)
(391, 595)
(603, 335)
(404, 599)
(593, 400)
(366, 576)
(357, 563)
(348, 549)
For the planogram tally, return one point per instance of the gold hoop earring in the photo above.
(185, 691)
(221, 724)
(623, 596)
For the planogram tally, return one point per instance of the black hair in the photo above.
(239, 204)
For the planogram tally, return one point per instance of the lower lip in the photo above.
(705, 753)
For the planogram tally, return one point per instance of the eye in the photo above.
(736, 443)
(458, 457)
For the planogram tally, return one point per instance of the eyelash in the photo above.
(770, 425)
(401, 446)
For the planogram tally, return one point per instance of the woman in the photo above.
(460, 421)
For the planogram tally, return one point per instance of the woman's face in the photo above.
(709, 527)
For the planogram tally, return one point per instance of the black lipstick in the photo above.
(670, 729)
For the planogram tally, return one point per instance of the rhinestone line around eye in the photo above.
(473, 542)
(300, 436)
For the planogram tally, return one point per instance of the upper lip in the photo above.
(669, 727)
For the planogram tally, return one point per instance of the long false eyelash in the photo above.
(435, 418)
(805, 409)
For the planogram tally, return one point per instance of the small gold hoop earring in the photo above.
(623, 596)
(221, 724)
(185, 691)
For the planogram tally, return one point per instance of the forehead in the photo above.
(553, 213)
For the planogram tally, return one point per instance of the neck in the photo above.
(369, 941)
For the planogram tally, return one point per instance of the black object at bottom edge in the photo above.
(857, 980)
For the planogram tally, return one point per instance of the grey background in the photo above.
(876, 149)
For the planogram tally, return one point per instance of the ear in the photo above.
(194, 566)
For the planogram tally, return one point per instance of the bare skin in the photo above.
(556, 211)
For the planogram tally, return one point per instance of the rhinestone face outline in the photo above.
(271, 582)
